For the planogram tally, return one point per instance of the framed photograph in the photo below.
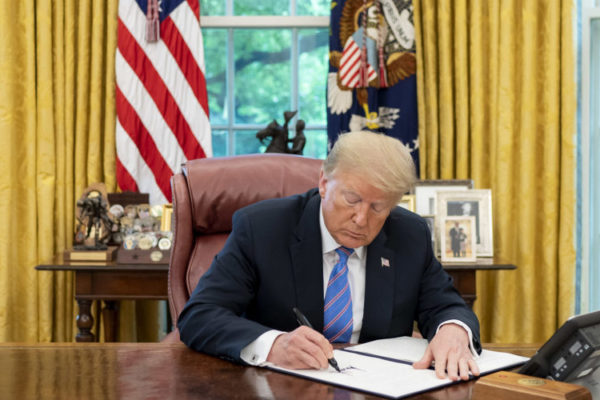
(458, 239)
(408, 202)
(430, 219)
(425, 191)
(476, 203)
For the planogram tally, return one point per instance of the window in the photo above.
(590, 156)
(263, 58)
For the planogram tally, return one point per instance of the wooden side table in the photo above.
(463, 275)
(110, 282)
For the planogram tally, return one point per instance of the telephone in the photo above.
(572, 354)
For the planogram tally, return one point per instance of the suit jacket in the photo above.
(273, 261)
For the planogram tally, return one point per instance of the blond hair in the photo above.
(383, 160)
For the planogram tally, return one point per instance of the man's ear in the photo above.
(322, 184)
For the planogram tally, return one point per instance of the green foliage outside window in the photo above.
(260, 86)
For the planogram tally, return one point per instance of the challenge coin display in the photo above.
(129, 243)
(164, 243)
(117, 210)
(145, 242)
(156, 256)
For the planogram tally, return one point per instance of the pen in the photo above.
(302, 320)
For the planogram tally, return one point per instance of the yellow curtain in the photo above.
(57, 122)
(496, 93)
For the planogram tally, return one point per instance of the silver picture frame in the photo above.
(459, 242)
(476, 202)
(425, 192)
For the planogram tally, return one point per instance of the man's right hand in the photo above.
(303, 348)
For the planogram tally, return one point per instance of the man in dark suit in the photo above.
(357, 266)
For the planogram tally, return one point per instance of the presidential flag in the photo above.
(372, 65)
(162, 107)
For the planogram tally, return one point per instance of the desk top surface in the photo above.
(161, 371)
(58, 264)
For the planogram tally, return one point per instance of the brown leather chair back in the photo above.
(205, 196)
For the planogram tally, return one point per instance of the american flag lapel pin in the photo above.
(385, 262)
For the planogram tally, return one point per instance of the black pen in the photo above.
(302, 320)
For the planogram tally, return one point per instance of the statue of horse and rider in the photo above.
(280, 141)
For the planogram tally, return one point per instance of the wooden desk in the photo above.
(110, 282)
(157, 371)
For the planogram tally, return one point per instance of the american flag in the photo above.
(162, 107)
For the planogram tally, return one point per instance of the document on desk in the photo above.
(384, 367)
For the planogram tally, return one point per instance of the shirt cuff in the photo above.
(465, 327)
(256, 352)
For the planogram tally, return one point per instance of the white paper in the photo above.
(373, 375)
(412, 349)
(391, 378)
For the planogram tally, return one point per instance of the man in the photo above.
(455, 240)
(348, 234)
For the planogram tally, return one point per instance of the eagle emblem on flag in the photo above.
(379, 49)
(372, 67)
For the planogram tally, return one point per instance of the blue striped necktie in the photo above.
(338, 301)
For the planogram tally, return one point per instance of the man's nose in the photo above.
(361, 214)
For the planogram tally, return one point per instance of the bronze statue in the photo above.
(299, 140)
(280, 138)
(94, 226)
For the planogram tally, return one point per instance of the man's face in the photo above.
(466, 208)
(354, 211)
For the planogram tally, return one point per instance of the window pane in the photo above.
(594, 200)
(262, 75)
(215, 40)
(212, 7)
(316, 144)
(219, 143)
(312, 80)
(247, 143)
(313, 7)
(261, 7)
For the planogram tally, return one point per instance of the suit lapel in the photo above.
(379, 289)
(307, 264)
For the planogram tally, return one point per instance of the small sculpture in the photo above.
(280, 138)
(94, 227)
(299, 140)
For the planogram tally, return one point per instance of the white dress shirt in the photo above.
(357, 272)
(256, 352)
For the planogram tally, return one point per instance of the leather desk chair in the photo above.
(205, 196)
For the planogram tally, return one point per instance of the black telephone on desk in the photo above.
(572, 354)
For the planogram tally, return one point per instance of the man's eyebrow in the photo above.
(350, 191)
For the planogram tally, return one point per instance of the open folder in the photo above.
(384, 367)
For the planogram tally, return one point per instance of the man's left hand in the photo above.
(450, 351)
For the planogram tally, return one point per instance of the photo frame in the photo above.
(430, 219)
(476, 202)
(408, 202)
(458, 234)
(425, 191)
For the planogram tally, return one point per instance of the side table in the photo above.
(110, 282)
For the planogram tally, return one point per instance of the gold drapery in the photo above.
(496, 104)
(57, 123)
(496, 94)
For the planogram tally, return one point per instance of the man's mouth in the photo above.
(354, 235)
